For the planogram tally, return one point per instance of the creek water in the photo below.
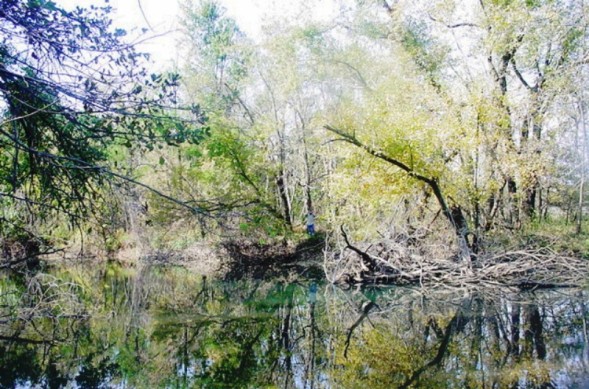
(111, 327)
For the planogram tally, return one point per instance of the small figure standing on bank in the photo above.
(311, 224)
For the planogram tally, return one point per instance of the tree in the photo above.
(216, 63)
(70, 86)
(260, 105)
(227, 168)
(498, 126)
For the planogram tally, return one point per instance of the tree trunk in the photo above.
(308, 174)
(530, 202)
(583, 166)
(286, 209)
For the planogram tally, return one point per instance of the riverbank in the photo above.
(526, 261)
(228, 259)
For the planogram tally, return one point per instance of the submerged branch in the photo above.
(365, 311)
(17, 339)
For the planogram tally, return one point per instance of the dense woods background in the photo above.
(460, 125)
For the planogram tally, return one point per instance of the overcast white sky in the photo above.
(162, 16)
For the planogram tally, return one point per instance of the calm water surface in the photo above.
(154, 327)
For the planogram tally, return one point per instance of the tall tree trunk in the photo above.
(281, 181)
(530, 206)
(579, 227)
(583, 166)
(501, 79)
(530, 202)
(285, 201)
(513, 211)
(308, 174)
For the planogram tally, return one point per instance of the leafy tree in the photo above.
(486, 135)
(232, 168)
(70, 86)
(217, 63)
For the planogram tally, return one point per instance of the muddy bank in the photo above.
(227, 260)
(286, 260)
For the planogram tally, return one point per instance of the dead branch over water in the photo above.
(400, 262)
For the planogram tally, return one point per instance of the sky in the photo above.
(161, 18)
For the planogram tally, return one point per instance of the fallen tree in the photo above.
(394, 261)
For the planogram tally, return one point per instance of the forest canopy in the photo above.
(450, 123)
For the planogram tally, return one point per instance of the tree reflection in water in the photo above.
(162, 327)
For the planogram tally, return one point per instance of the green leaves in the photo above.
(63, 111)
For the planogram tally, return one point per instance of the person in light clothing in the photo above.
(311, 223)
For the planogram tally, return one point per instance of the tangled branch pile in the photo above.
(402, 263)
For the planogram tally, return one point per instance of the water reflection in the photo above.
(162, 327)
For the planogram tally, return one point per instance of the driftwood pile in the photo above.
(400, 263)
